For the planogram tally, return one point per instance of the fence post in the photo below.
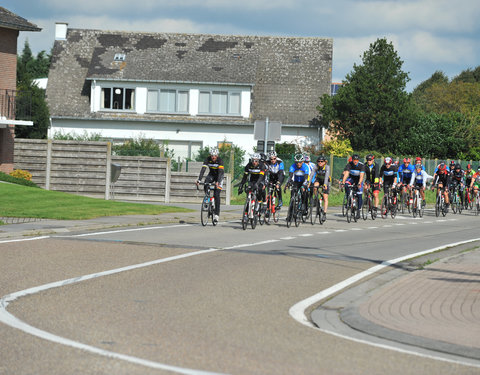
(49, 164)
(108, 173)
(168, 180)
(228, 189)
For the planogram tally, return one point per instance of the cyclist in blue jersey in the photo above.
(276, 174)
(299, 176)
(353, 174)
(405, 172)
(419, 179)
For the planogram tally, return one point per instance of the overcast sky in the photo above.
(428, 35)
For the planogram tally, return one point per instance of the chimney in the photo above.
(61, 30)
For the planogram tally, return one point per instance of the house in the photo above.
(10, 26)
(187, 90)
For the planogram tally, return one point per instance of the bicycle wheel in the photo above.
(393, 210)
(290, 213)
(438, 206)
(470, 200)
(414, 208)
(298, 209)
(348, 210)
(454, 203)
(372, 209)
(245, 213)
(477, 210)
(365, 207)
(344, 205)
(260, 214)
(253, 213)
(459, 204)
(407, 203)
(402, 202)
(268, 210)
(384, 209)
(204, 210)
(314, 209)
(421, 207)
(322, 217)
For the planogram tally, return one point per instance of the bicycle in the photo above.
(477, 203)
(250, 209)
(352, 204)
(316, 208)
(404, 201)
(389, 204)
(295, 209)
(368, 206)
(208, 204)
(440, 206)
(468, 199)
(271, 204)
(417, 206)
(456, 201)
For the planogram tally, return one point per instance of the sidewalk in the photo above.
(435, 308)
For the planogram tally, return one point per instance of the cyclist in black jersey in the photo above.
(372, 180)
(276, 174)
(255, 174)
(215, 174)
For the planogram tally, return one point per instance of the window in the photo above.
(219, 103)
(118, 98)
(167, 100)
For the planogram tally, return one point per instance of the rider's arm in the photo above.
(281, 173)
(202, 171)
(326, 182)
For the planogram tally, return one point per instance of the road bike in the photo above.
(250, 209)
(316, 207)
(440, 205)
(456, 201)
(404, 201)
(477, 203)
(271, 211)
(417, 206)
(368, 205)
(389, 203)
(351, 211)
(468, 199)
(207, 210)
(295, 208)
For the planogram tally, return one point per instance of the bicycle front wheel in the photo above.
(344, 205)
(365, 207)
(384, 209)
(438, 206)
(290, 213)
(245, 215)
(204, 210)
(298, 213)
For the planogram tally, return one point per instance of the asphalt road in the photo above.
(211, 299)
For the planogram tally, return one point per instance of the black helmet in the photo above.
(355, 157)
(369, 157)
(321, 158)
(458, 166)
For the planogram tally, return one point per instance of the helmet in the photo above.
(369, 157)
(263, 157)
(388, 160)
(452, 163)
(307, 158)
(299, 158)
(478, 169)
(355, 157)
(321, 158)
(469, 166)
(407, 160)
(214, 151)
(256, 156)
(272, 154)
(418, 159)
(458, 166)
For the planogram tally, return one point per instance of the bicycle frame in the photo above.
(208, 204)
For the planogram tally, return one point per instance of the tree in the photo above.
(469, 75)
(372, 108)
(30, 98)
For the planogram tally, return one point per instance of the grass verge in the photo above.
(23, 201)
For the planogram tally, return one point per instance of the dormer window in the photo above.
(119, 57)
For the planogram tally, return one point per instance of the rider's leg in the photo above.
(325, 199)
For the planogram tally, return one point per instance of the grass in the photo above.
(23, 201)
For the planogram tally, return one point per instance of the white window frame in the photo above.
(227, 112)
(178, 93)
(118, 106)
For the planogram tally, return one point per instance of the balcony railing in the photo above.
(15, 105)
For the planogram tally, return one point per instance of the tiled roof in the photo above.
(287, 75)
(11, 20)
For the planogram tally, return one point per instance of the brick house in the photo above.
(10, 26)
(190, 90)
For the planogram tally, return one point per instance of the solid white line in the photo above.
(297, 311)
(128, 230)
(26, 239)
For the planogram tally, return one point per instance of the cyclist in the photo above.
(255, 173)
(321, 177)
(441, 178)
(457, 180)
(215, 174)
(405, 172)
(299, 177)
(468, 179)
(419, 179)
(372, 178)
(475, 183)
(389, 177)
(276, 174)
(354, 174)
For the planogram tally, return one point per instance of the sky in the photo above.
(428, 35)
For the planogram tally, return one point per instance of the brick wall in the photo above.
(8, 80)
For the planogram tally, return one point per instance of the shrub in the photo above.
(19, 173)
(14, 180)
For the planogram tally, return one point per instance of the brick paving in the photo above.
(440, 302)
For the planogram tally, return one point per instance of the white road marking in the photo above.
(128, 230)
(288, 238)
(325, 232)
(26, 239)
(297, 311)
(305, 234)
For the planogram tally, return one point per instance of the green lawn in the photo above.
(23, 201)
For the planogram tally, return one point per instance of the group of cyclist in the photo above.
(309, 177)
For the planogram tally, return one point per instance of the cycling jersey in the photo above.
(388, 174)
(311, 166)
(254, 173)
(405, 173)
(355, 171)
(276, 171)
(458, 176)
(322, 175)
(419, 178)
(299, 174)
(371, 173)
(216, 169)
(476, 179)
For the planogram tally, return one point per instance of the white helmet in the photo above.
(256, 156)
(272, 154)
(214, 151)
(299, 158)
